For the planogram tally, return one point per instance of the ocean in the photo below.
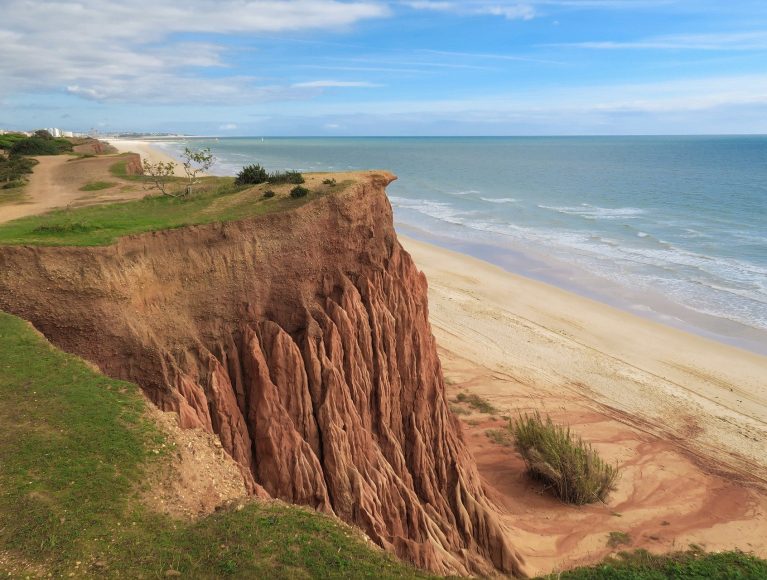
(670, 228)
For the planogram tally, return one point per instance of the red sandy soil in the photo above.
(667, 497)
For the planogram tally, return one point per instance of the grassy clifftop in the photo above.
(75, 447)
(216, 199)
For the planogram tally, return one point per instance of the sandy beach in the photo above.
(684, 417)
(147, 151)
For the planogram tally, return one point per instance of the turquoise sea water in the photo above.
(673, 228)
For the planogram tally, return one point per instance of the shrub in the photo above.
(40, 146)
(251, 175)
(268, 193)
(286, 177)
(562, 460)
(298, 191)
(14, 168)
(330, 182)
(8, 139)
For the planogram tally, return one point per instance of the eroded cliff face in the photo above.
(302, 340)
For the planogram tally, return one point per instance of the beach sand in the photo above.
(147, 150)
(684, 417)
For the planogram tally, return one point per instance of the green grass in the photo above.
(615, 539)
(120, 169)
(98, 185)
(74, 449)
(475, 402)
(217, 200)
(459, 409)
(12, 194)
(500, 437)
(692, 564)
(565, 463)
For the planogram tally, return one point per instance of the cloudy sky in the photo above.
(377, 67)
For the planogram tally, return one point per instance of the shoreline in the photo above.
(654, 363)
(596, 348)
(684, 417)
(654, 306)
(148, 150)
(537, 263)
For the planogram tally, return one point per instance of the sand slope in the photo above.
(685, 417)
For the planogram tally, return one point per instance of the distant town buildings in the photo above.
(54, 131)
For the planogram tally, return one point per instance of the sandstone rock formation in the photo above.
(302, 340)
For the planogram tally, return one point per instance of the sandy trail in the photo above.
(56, 181)
(685, 417)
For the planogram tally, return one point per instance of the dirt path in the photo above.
(56, 181)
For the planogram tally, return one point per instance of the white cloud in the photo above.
(751, 40)
(324, 84)
(679, 96)
(489, 55)
(511, 11)
(228, 127)
(112, 50)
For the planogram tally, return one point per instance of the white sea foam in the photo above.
(594, 212)
(435, 209)
(707, 256)
(656, 267)
(499, 199)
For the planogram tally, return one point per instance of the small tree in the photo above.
(43, 134)
(160, 174)
(196, 162)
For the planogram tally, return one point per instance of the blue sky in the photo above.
(372, 67)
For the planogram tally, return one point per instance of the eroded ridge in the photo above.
(302, 340)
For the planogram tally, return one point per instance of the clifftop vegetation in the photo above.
(75, 447)
(215, 199)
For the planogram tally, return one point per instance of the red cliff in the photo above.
(302, 340)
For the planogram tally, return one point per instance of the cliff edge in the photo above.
(302, 340)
